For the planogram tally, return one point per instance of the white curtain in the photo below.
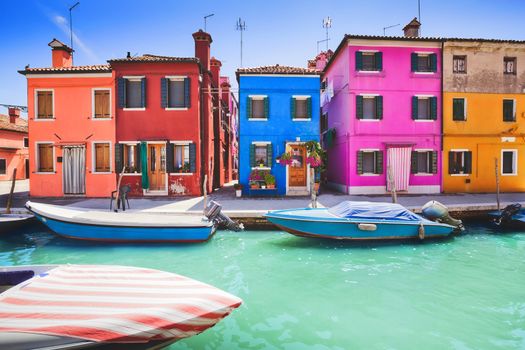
(398, 162)
(74, 170)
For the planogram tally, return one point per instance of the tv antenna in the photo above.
(388, 27)
(205, 18)
(71, 26)
(241, 26)
(327, 24)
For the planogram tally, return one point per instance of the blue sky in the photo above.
(278, 31)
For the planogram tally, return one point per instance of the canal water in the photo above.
(467, 292)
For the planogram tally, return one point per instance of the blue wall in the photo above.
(279, 128)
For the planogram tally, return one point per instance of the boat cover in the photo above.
(373, 211)
(115, 304)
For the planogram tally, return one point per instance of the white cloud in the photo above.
(63, 24)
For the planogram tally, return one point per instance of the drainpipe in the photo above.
(442, 131)
(201, 121)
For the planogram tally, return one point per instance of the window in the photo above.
(324, 122)
(369, 107)
(424, 108)
(44, 104)
(301, 108)
(458, 109)
(102, 106)
(424, 162)
(368, 61)
(261, 155)
(176, 93)
(102, 161)
(459, 162)
(132, 92)
(131, 158)
(26, 142)
(45, 158)
(509, 65)
(3, 167)
(509, 110)
(182, 159)
(509, 162)
(257, 107)
(459, 64)
(424, 62)
(369, 162)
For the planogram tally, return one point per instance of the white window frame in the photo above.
(374, 120)
(181, 143)
(24, 142)
(427, 97)
(302, 98)
(130, 143)
(514, 162)
(464, 110)
(257, 97)
(424, 53)
(427, 151)
(370, 53)
(4, 159)
(175, 78)
(94, 155)
(37, 160)
(370, 150)
(133, 78)
(464, 57)
(93, 103)
(462, 150)
(35, 112)
(262, 143)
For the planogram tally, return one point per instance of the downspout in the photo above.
(442, 131)
(201, 121)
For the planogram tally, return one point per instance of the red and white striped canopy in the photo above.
(113, 304)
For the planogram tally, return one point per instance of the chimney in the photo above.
(61, 53)
(14, 114)
(412, 29)
(202, 48)
(225, 89)
(215, 67)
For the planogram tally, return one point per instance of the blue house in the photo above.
(279, 113)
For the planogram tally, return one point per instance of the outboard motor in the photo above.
(437, 212)
(507, 213)
(213, 213)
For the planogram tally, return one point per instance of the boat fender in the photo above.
(367, 227)
(421, 231)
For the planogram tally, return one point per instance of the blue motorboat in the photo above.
(512, 216)
(351, 220)
(96, 225)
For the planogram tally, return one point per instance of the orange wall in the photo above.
(73, 123)
(14, 158)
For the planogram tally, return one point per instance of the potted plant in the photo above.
(285, 159)
(269, 179)
(256, 177)
(238, 190)
(254, 185)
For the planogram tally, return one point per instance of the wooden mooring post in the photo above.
(392, 184)
(118, 189)
(10, 197)
(205, 192)
(497, 182)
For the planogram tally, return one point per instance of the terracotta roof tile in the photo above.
(277, 69)
(154, 58)
(19, 126)
(98, 68)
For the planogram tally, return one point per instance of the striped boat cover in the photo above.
(398, 159)
(113, 304)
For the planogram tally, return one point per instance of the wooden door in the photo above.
(297, 170)
(157, 167)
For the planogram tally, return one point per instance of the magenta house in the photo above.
(381, 107)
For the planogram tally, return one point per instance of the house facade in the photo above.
(382, 101)
(71, 120)
(484, 111)
(278, 113)
(14, 146)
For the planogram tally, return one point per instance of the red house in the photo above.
(169, 131)
(13, 146)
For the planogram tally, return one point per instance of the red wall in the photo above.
(14, 158)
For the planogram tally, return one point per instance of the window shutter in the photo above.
(269, 155)
(252, 155)
(266, 107)
(137, 158)
(433, 62)
(358, 60)
(98, 104)
(193, 157)
(121, 86)
(379, 107)
(119, 157)
(451, 167)
(309, 107)
(359, 107)
(413, 61)
(359, 162)
(379, 162)
(414, 107)
(379, 61)
(434, 155)
(508, 110)
(458, 109)
(143, 92)
(292, 107)
(433, 108)
(413, 162)
(468, 162)
(187, 92)
(169, 157)
(248, 107)
(163, 92)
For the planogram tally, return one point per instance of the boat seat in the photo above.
(123, 197)
(12, 278)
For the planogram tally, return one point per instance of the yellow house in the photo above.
(483, 115)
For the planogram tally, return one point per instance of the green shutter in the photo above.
(358, 60)
(292, 107)
(414, 107)
(451, 163)
(143, 92)
(252, 155)
(434, 155)
(163, 93)
(433, 62)
(269, 155)
(170, 166)
(379, 61)
(379, 107)
(413, 61)
(458, 109)
(266, 107)
(433, 108)
(248, 107)
(187, 92)
(121, 86)
(137, 157)
(144, 165)
(508, 110)
(193, 158)
(119, 157)
(359, 107)
(379, 162)
(359, 162)
(413, 162)
(468, 162)
(309, 107)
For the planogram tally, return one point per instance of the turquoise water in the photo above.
(463, 293)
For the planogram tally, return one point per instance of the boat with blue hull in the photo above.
(359, 221)
(96, 225)
(511, 217)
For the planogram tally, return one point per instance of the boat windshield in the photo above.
(373, 211)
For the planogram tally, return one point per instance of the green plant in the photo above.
(237, 186)
(269, 179)
(316, 153)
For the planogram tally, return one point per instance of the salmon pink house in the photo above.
(381, 98)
